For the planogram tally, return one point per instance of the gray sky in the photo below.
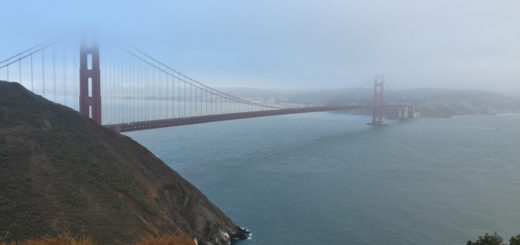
(300, 44)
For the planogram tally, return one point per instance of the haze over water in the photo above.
(327, 178)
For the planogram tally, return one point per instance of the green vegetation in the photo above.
(494, 239)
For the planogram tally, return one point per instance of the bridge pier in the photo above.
(89, 81)
(408, 112)
(402, 113)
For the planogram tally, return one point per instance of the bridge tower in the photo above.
(377, 110)
(89, 81)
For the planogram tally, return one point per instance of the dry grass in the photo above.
(65, 239)
(62, 239)
(167, 240)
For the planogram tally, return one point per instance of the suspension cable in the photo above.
(229, 97)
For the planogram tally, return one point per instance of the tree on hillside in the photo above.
(515, 240)
(487, 239)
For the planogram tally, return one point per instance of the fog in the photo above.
(472, 44)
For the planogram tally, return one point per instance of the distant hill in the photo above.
(61, 172)
(430, 102)
(449, 102)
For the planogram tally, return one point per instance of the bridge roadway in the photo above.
(163, 123)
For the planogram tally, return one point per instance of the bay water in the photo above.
(328, 178)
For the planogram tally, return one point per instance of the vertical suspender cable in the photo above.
(145, 86)
(184, 98)
(131, 92)
(141, 91)
(191, 102)
(140, 86)
(54, 71)
(178, 98)
(158, 82)
(117, 106)
(195, 94)
(153, 94)
(103, 81)
(124, 92)
(171, 97)
(166, 94)
(65, 74)
(159, 93)
(76, 78)
(32, 77)
(120, 92)
(137, 81)
(73, 77)
(20, 70)
(136, 90)
(114, 88)
(110, 91)
(43, 72)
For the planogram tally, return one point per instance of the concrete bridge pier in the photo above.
(407, 112)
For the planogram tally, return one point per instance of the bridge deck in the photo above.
(134, 126)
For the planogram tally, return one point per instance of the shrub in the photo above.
(487, 239)
(494, 239)
(514, 240)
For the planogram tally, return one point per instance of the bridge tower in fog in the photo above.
(89, 81)
(377, 110)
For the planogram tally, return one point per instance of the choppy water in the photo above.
(324, 178)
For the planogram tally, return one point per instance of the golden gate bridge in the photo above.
(123, 88)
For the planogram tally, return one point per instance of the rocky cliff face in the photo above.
(61, 172)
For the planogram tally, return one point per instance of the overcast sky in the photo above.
(299, 43)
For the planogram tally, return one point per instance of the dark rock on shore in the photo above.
(241, 234)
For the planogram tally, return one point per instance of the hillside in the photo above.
(61, 172)
(450, 102)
